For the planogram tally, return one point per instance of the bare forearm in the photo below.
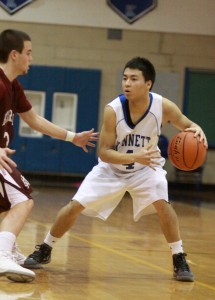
(114, 157)
(38, 123)
(44, 126)
(146, 156)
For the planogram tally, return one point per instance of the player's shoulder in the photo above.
(156, 96)
(170, 111)
(17, 84)
(116, 102)
(156, 101)
(168, 104)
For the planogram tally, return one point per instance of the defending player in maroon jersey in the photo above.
(12, 100)
(15, 190)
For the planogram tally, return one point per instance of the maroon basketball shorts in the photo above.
(14, 189)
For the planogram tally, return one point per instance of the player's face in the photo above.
(134, 85)
(23, 60)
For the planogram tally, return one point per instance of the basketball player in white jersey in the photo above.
(129, 161)
(15, 191)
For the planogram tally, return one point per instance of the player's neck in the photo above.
(140, 103)
(7, 69)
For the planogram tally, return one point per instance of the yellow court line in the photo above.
(141, 261)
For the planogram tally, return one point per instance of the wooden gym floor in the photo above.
(118, 259)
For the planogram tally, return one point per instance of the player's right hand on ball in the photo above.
(148, 157)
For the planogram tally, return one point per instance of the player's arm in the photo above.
(108, 154)
(38, 123)
(173, 115)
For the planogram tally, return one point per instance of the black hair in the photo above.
(143, 65)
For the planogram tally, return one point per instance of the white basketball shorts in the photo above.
(102, 190)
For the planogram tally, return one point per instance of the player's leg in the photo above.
(170, 227)
(10, 227)
(94, 198)
(16, 252)
(168, 221)
(8, 224)
(16, 217)
(15, 202)
(147, 188)
(65, 219)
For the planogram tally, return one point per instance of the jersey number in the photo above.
(6, 135)
(129, 166)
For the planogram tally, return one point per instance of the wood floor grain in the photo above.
(117, 259)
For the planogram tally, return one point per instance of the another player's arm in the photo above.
(38, 123)
(42, 125)
(173, 115)
(108, 154)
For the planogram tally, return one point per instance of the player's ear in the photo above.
(13, 54)
(149, 84)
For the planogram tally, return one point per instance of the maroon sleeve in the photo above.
(22, 103)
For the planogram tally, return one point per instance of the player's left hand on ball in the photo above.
(85, 138)
(198, 133)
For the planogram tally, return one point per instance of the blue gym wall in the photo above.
(48, 155)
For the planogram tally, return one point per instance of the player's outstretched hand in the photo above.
(5, 161)
(85, 138)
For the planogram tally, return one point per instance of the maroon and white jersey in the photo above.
(12, 100)
(14, 188)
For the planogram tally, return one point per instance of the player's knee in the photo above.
(75, 207)
(163, 207)
(29, 204)
(166, 212)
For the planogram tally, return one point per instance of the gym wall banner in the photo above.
(12, 6)
(132, 10)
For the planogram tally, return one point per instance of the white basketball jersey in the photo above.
(131, 137)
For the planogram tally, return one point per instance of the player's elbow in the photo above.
(103, 154)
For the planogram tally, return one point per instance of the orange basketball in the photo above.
(185, 151)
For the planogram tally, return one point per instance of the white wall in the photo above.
(179, 16)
